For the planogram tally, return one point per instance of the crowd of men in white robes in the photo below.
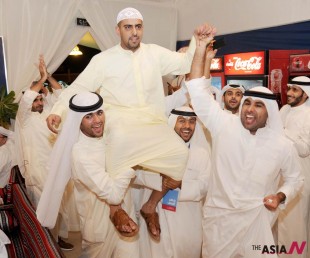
(144, 178)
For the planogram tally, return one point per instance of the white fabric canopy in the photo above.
(33, 27)
(49, 27)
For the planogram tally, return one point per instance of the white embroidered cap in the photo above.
(128, 13)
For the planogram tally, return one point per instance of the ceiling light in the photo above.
(76, 52)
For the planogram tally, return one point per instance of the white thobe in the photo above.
(36, 144)
(181, 231)
(131, 86)
(92, 188)
(5, 164)
(4, 240)
(294, 221)
(245, 169)
(179, 98)
(51, 98)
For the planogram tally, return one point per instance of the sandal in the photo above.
(120, 219)
(152, 219)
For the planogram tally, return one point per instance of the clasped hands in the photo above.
(204, 34)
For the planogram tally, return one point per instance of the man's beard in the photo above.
(296, 101)
(132, 46)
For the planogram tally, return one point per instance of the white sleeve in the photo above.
(148, 179)
(89, 80)
(301, 138)
(205, 106)
(54, 96)
(25, 106)
(293, 179)
(172, 62)
(93, 176)
(178, 99)
(5, 165)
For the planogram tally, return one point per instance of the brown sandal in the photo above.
(121, 218)
(152, 219)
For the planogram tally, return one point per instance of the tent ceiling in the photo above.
(88, 41)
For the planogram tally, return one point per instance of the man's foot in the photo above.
(64, 245)
(152, 223)
(124, 224)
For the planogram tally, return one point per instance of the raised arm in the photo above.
(54, 120)
(39, 85)
(202, 100)
(25, 104)
(53, 82)
(203, 38)
(209, 56)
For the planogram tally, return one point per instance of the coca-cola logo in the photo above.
(216, 64)
(245, 63)
(252, 64)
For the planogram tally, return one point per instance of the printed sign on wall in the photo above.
(251, 63)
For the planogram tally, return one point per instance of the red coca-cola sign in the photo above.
(217, 64)
(251, 63)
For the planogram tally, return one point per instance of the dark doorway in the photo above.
(74, 65)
